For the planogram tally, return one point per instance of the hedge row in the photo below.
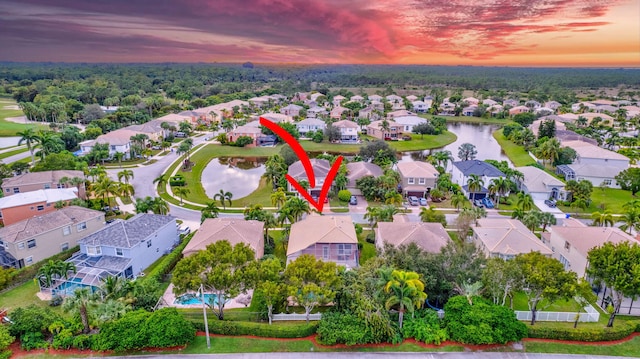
(274, 330)
(169, 261)
(26, 274)
(620, 330)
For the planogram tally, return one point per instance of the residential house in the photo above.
(572, 241)
(300, 96)
(234, 230)
(393, 114)
(24, 205)
(447, 109)
(260, 102)
(320, 170)
(495, 109)
(429, 101)
(430, 237)
(420, 106)
(544, 111)
(33, 181)
(251, 129)
(602, 102)
(310, 125)
(510, 103)
(469, 110)
(606, 108)
(590, 116)
(366, 112)
(554, 105)
(393, 132)
(375, 98)
(153, 130)
(540, 184)
(411, 98)
(40, 237)
(559, 122)
(336, 112)
(329, 238)
(582, 106)
(291, 110)
(506, 238)
(357, 98)
(594, 164)
(471, 101)
(489, 102)
(348, 131)
(417, 178)
(118, 141)
(533, 104)
(315, 96)
(377, 105)
(317, 111)
(337, 100)
(275, 117)
(518, 110)
(408, 122)
(196, 117)
(462, 171)
(109, 109)
(357, 170)
(395, 100)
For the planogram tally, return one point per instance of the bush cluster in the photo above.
(425, 326)
(177, 180)
(344, 195)
(343, 328)
(274, 330)
(621, 330)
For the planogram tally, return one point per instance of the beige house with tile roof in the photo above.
(417, 178)
(329, 238)
(233, 230)
(118, 141)
(34, 181)
(572, 241)
(540, 184)
(357, 170)
(506, 238)
(394, 132)
(321, 169)
(430, 237)
(37, 238)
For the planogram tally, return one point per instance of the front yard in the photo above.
(612, 199)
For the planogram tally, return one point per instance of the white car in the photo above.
(185, 230)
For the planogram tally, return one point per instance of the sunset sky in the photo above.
(453, 32)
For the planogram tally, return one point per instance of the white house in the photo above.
(316, 111)
(310, 124)
(420, 106)
(594, 164)
(541, 185)
(118, 140)
(462, 171)
(409, 121)
(348, 131)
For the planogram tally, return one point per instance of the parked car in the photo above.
(406, 138)
(550, 202)
(478, 203)
(423, 201)
(414, 201)
(185, 230)
(156, 147)
(487, 202)
(353, 200)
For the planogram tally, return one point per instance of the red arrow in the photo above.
(306, 163)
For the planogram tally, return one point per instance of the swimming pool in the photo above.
(190, 299)
(68, 288)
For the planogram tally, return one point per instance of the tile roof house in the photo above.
(462, 171)
(430, 237)
(489, 102)
(356, 98)
(337, 100)
(233, 230)
(374, 98)
(348, 131)
(251, 129)
(420, 106)
(394, 131)
(506, 238)
(594, 164)
(317, 111)
(417, 178)
(336, 112)
(320, 169)
(510, 102)
(275, 117)
(21, 206)
(399, 113)
(540, 184)
(357, 170)
(118, 140)
(329, 238)
(408, 122)
(518, 110)
(411, 98)
(572, 241)
(310, 124)
(37, 238)
(33, 181)
(291, 110)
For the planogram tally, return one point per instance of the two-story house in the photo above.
(337, 100)
(21, 206)
(37, 238)
(420, 106)
(357, 170)
(251, 129)
(336, 112)
(462, 171)
(118, 141)
(329, 238)
(393, 130)
(594, 164)
(317, 111)
(310, 125)
(506, 238)
(417, 178)
(320, 169)
(430, 237)
(540, 184)
(348, 131)
(291, 110)
(34, 181)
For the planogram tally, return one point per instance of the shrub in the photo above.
(371, 238)
(167, 328)
(424, 327)
(82, 341)
(274, 330)
(342, 328)
(63, 340)
(56, 301)
(622, 329)
(481, 323)
(5, 340)
(243, 141)
(177, 180)
(344, 195)
(358, 228)
(33, 340)
(318, 137)
(32, 319)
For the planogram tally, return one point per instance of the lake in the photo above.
(240, 176)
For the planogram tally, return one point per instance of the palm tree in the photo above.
(630, 220)
(119, 156)
(210, 211)
(547, 219)
(296, 207)
(372, 214)
(270, 221)
(110, 310)
(223, 197)
(126, 189)
(393, 198)
(524, 201)
(278, 197)
(77, 181)
(602, 219)
(532, 220)
(126, 174)
(161, 180)
(474, 184)
(459, 199)
(105, 187)
(182, 191)
(81, 301)
(500, 186)
(442, 158)
(30, 138)
(48, 271)
(96, 172)
(518, 213)
(159, 206)
(407, 292)
(112, 287)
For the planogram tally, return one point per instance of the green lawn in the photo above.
(22, 296)
(13, 152)
(608, 199)
(8, 128)
(627, 349)
(471, 119)
(368, 249)
(338, 206)
(516, 153)
(262, 195)
(520, 303)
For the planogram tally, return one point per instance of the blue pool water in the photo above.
(68, 288)
(188, 299)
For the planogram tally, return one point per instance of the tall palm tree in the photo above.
(296, 207)
(159, 206)
(223, 197)
(105, 187)
(126, 189)
(474, 184)
(270, 221)
(407, 293)
(524, 201)
(547, 219)
(48, 272)
(372, 215)
(458, 200)
(278, 197)
(80, 301)
(393, 198)
(118, 156)
(602, 219)
(630, 220)
(161, 180)
(30, 138)
(210, 211)
(126, 175)
(500, 187)
(182, 191)
(443, 158)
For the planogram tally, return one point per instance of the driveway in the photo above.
(544, 208)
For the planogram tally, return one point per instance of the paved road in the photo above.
(354, 355)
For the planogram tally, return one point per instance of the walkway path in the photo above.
(374, 355)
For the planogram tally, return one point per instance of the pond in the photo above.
(9, 141)
(240, 176)
(480, 135)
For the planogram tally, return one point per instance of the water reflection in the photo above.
(240, 176)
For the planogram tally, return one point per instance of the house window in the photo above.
(64, 246)
(2, 245)
(94, 250)
(31, 243)
(40, 208)
(8, 190)
(16, 190)
(148, 243)
(421, 181)
(325, 252)
(607, 182)
(60, 185)
(565, 262)
(119, 252)
(66, 230)
(47, 185)
(411, 180)
(113, 148)
(28, 260)
(344, 252)
(21, 245)
(567, 246)
(81, 226)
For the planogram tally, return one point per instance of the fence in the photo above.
(590, 315)
(293, 316)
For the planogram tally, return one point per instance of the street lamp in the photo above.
(204, 313)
